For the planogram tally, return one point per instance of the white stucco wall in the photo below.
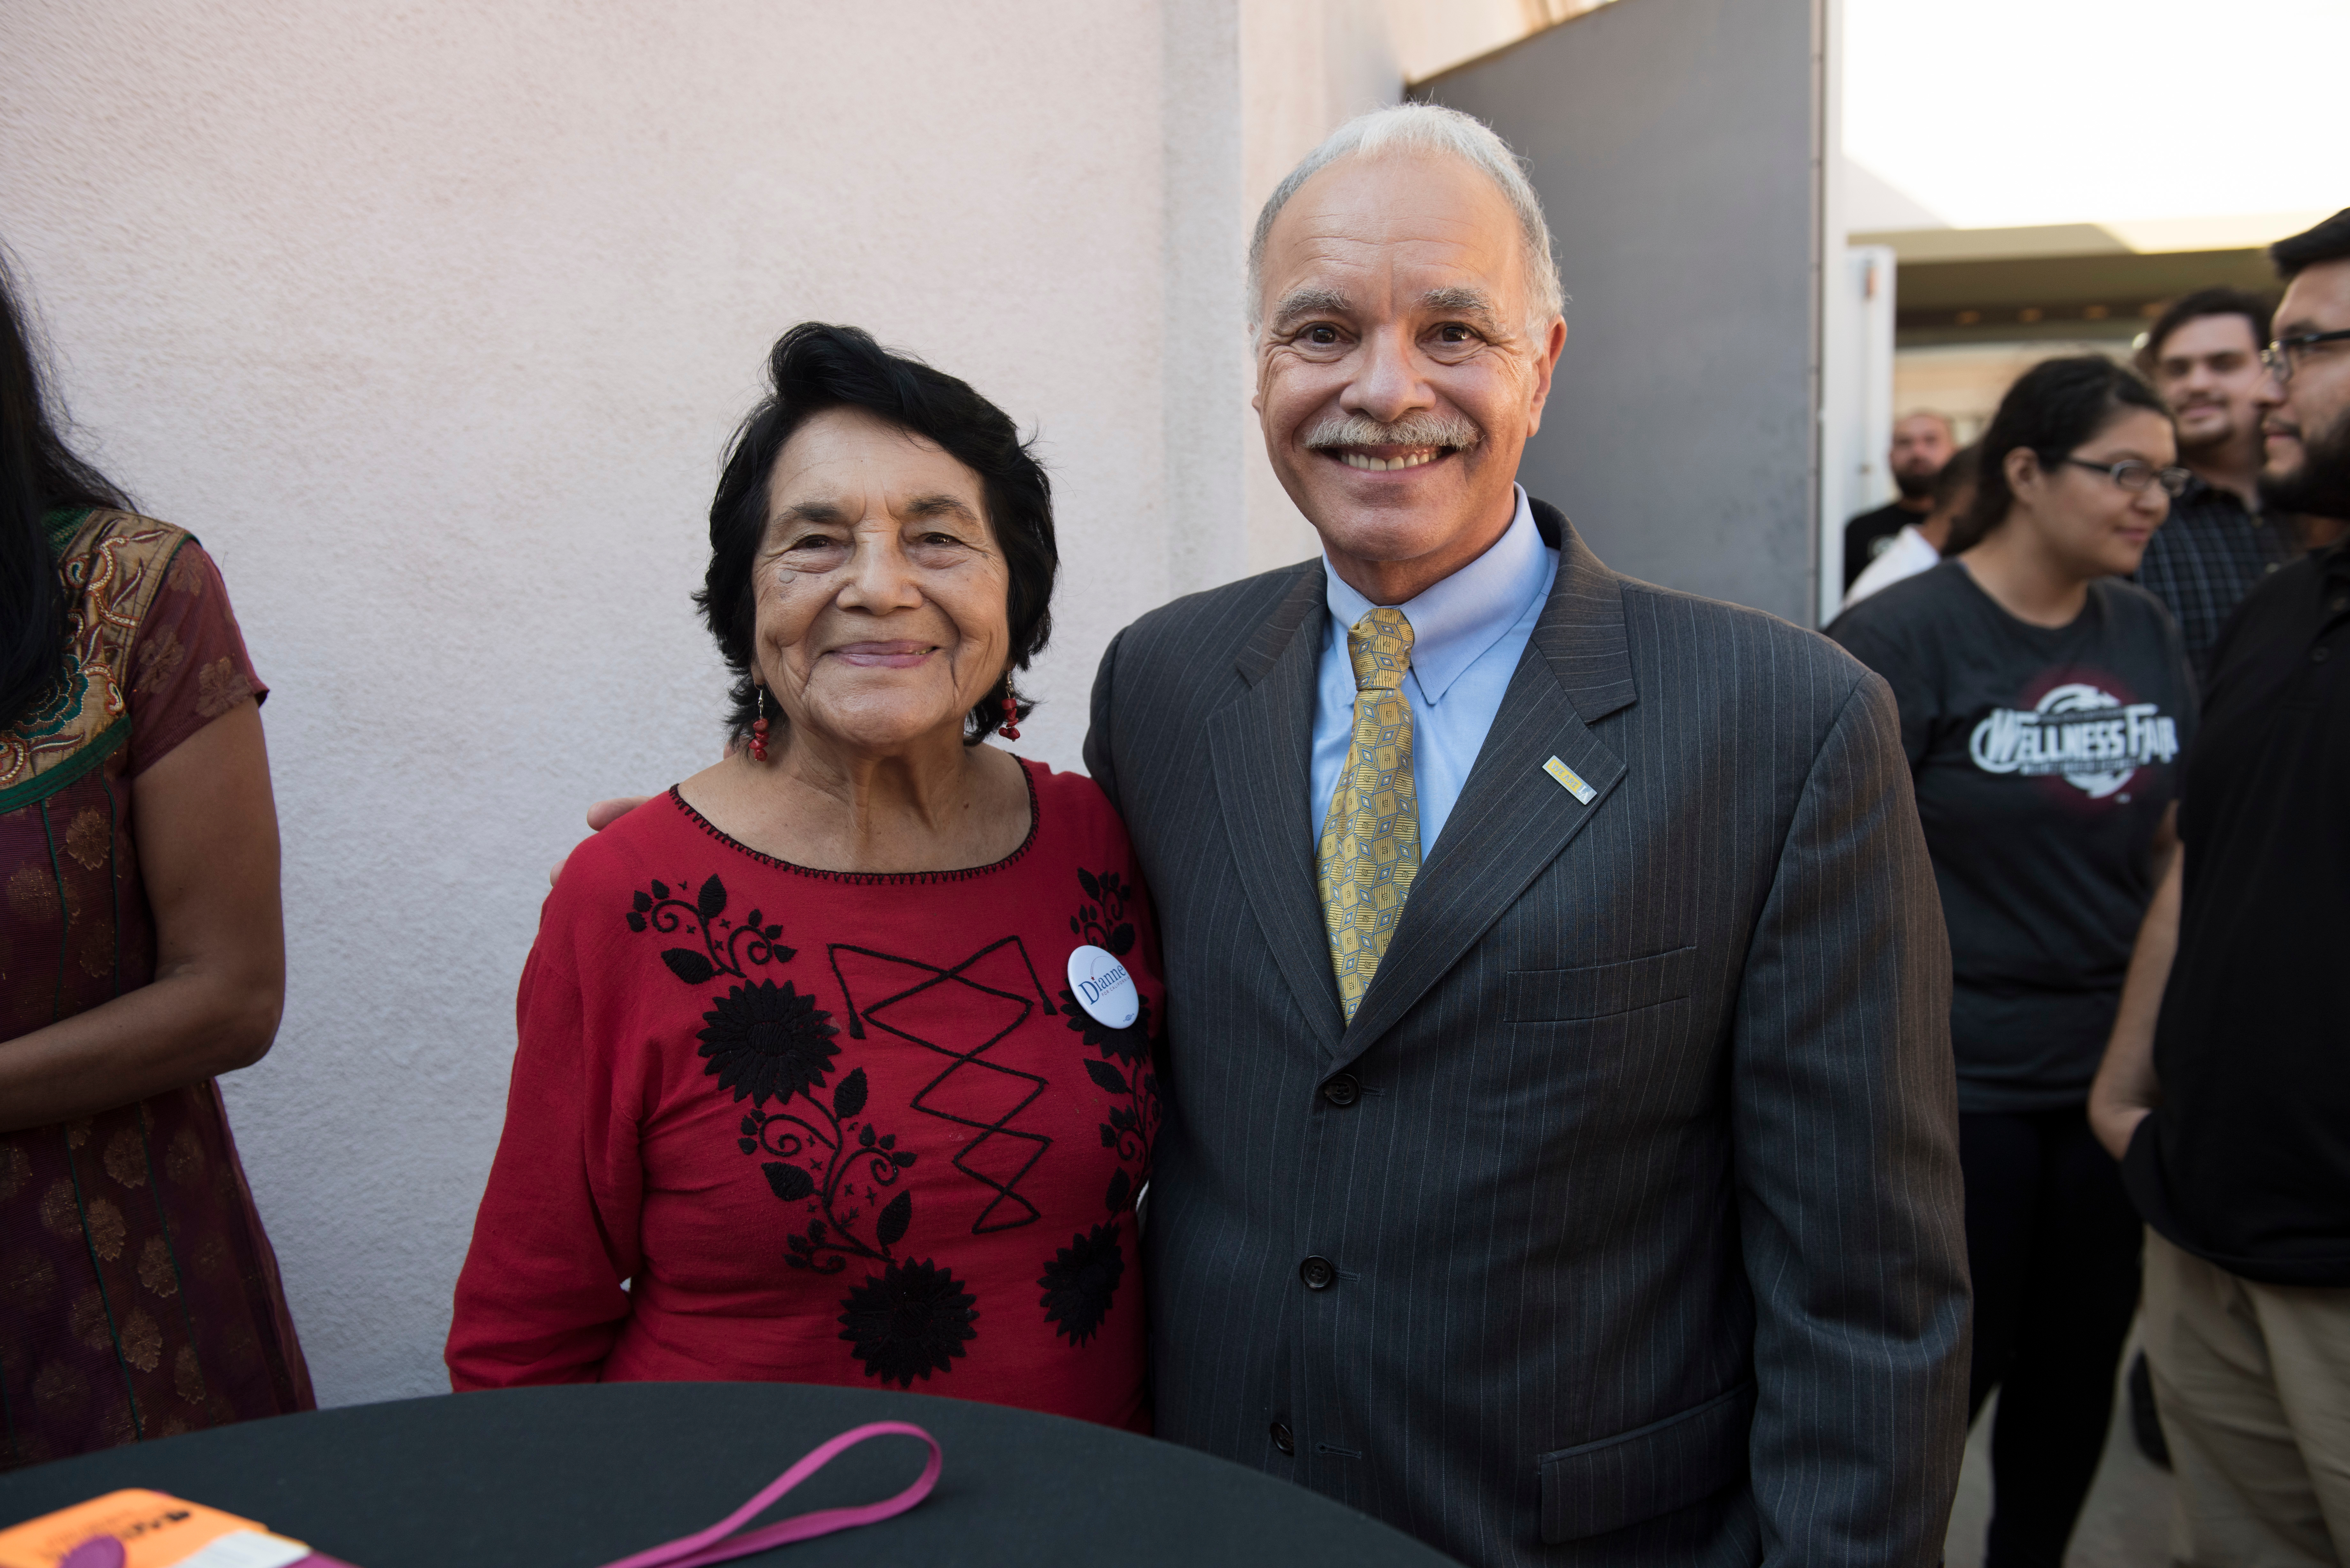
(432, 320)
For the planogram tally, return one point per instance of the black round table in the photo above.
(574, 1477)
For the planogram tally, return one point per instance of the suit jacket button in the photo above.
(1283, 1438)
(1317, 1273)
(1343, 1090)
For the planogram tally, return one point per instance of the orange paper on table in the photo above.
(156, 1530)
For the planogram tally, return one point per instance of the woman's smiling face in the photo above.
(2086, 520)
(881, 595)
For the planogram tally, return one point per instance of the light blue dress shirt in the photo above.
(1467, 634)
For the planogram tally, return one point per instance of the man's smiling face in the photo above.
(2210, 373)
(1395, 378)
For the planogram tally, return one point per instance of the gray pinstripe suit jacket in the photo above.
(1644, 1213)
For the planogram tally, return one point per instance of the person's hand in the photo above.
(2113, 1123)
(600, 816)
(2126, 1087)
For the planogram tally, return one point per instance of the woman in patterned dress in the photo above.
(806, 1090)
(141, 954)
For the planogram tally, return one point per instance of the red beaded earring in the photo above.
(1009, 728)
(759, 730)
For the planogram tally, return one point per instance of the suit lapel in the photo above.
(1260, 744)
(1513, 819)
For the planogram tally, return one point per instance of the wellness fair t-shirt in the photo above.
(2043, 759)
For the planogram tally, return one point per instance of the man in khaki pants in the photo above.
(2226, 1089)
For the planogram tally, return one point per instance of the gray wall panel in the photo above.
(1675, 144)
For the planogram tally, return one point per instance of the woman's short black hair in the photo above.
(2052, 409)
(815, 367)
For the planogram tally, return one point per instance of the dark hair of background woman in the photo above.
(38, 475)
(2052, 409)
(814, 367)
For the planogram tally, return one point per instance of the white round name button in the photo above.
(1103, 987)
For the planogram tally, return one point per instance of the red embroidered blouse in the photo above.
(770, 1123)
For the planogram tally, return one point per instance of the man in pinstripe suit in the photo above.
(1561, 1157)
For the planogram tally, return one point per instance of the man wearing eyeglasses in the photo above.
(2203, 357)
(2225, 1086)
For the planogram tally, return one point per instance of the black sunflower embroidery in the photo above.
(908, 1321)
(1130, 1045)
(767, 1039)
(1081, 1281)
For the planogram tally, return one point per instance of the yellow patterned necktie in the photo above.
(1370, 840)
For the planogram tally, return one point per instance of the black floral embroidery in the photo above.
(908, 1321)
(1102, 921)
(818, 1163)
(662, 910)
(766, 1041)
(1128, 1071)
(1081, 1280)
(1131, 1044)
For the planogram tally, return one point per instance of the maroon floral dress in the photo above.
(138, 1293)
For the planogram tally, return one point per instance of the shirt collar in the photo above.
(1458, 618)
(2201, 492)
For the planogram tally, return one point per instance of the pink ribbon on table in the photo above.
(715, 1545)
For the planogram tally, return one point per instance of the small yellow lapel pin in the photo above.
(1569, 780)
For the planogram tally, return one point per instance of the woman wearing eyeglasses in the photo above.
(2044, 702)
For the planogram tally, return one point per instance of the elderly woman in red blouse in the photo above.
(836, 1061)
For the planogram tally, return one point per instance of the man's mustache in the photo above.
(1412, 430)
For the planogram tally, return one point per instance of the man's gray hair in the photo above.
(1426, 128)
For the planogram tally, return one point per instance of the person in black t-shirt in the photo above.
(2045, 702)
(2226, 1089)
(1922, 443)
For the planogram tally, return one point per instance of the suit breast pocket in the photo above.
(1601, 989)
